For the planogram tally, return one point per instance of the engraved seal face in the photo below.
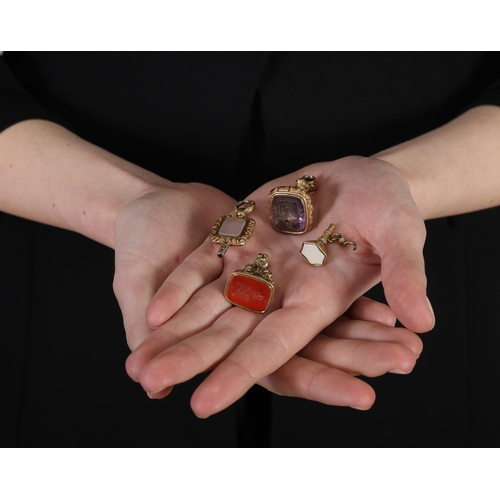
(249, 292)
(288, 213)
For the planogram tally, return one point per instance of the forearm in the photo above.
(455, 168)
(50, 175)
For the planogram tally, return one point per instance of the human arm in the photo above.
(455, 168)
(50, 175)
(53, 176)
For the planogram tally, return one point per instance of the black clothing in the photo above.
(186, 116)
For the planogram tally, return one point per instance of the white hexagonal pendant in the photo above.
(314, 252)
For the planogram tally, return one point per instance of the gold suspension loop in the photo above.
(341, 240)
(307, 183)
(244, 207)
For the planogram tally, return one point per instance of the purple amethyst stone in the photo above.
(289, 213)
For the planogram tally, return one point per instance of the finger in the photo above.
(161, 394)
(403, 275)
(371, 310)
(198, 353)
(273, 342)
(198, 314)
(198, 269)
(360, 357)
(346, 328)
(307, 379)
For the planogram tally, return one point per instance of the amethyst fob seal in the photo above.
(290, 207)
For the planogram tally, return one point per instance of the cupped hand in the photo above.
(363, 341)
(154, 233)
(370, 203)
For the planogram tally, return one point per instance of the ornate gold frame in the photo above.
(229, 240)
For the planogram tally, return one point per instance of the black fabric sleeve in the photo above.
(490, 95)
(16, 104)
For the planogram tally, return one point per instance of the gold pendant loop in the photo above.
(244, 207)
(260, 267)
(307, 183)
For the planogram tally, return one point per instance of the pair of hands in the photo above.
(319, 333)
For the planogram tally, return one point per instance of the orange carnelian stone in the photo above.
(249, 292)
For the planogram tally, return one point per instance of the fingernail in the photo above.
(358, 408)
(431, 310)
(399, 372)
(151, 395)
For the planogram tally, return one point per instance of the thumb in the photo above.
(133, 291)
(403, 275)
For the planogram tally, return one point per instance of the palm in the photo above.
(154, 234)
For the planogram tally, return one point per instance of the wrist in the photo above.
(407, 165)
(121, 183)
(453, 169)
(52, 176)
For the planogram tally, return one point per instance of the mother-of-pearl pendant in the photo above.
(314, 251)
